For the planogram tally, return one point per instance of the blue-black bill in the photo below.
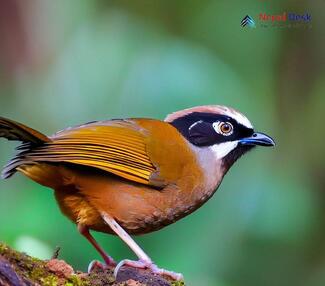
(258, 138)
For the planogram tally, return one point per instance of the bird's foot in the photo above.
(143, 264)
(95, 264)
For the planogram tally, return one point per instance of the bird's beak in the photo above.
(258, 139)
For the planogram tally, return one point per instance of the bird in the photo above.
(134, 176)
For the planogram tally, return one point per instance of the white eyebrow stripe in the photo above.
(243, 120)
(240, 118)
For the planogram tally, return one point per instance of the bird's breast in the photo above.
(138, 208)
(187, 177)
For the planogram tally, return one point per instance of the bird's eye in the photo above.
(224, 128)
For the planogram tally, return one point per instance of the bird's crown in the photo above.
(212, 109)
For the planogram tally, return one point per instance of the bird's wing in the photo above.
(115, 146)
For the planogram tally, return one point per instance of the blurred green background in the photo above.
(68, 62)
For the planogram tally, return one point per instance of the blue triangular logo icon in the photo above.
(247, 21)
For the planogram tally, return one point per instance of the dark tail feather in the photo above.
(16, 131)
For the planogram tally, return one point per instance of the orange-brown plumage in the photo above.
(134, 175)
(146, 194)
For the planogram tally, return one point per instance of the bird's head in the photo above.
(225, 131)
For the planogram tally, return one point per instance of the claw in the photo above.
(163, 272)
(142, 264)
(95, 264)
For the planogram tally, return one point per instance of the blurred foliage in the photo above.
(67, 62)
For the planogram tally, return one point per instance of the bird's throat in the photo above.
(234, 155)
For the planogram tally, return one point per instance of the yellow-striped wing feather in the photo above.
(116, 146)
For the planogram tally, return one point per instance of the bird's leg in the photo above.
(144, 260)
(109, 261)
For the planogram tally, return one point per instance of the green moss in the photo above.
(2, 248)
(29, 267)
(75, 280)
(178, 283)
(49, 281)
(40, 274)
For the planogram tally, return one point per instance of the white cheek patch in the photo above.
(222, 149)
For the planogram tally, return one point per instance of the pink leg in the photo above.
(144, 260)
(84, 230)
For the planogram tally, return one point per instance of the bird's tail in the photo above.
(13, 130)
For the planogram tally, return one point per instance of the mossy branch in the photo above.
(19, 269)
